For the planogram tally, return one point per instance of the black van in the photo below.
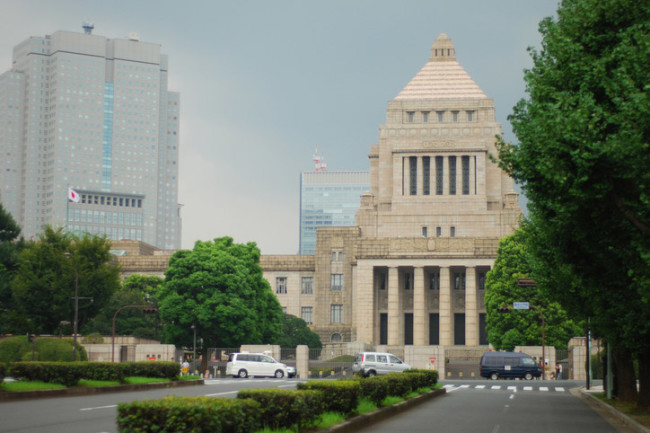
(509, 365)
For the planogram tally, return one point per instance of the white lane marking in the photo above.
(543, 388)
(528, 388)
(480, 386)
(511, 396)
(495, 387)
(99, 407)
(559, 389)
(451, 388)
(464, 386)
(221, 393)
(512, 388)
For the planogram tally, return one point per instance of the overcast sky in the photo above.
(263, 82)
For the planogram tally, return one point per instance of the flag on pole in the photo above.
(73, 195)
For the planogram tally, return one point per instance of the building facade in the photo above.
(411, 271)
(328, 199)
(93, 114)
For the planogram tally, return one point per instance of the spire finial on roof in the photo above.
(442, 49)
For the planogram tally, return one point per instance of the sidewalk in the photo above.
(588, 394)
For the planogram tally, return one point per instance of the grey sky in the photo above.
(263, 82)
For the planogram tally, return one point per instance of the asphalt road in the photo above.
(98, 413)
(503, 406)
(468, 406)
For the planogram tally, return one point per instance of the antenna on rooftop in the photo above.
(88, 27)
(319, 162)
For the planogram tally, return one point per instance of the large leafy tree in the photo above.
(218, 291)
(10, 320)
(296, 332)
(522, 327)
(583, 158)
(136, 290)
(48, 271)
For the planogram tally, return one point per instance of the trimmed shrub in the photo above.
(3, 371)
(189, 414)
(102, 371)
(339, 395)
(64, 373)
(16, 349)
(431, 376)
(162, 369)
(374, 388)
(281, 408)
(398, 384)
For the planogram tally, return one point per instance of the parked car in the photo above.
(509, 365)
(254, 364)
(374, 363)
(291, 371)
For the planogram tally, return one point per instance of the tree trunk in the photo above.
(644, 380)
(204, 361)
(625, 377)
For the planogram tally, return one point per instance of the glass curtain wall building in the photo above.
(328, 199)
(93, 114)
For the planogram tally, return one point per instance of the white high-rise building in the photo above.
(93, 114)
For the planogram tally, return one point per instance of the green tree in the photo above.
(218, 288)
(10, 320)
(136, 290)
(522, 327)
(50, 268)
(583, 160)
(296, 332)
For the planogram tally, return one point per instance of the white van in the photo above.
(254, 364)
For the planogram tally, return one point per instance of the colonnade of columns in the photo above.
(446, 310)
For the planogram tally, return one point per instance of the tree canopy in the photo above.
(521, 327)
(582, 158)
(10, 320)
(218, 287)
(296, 332)
(48, 271)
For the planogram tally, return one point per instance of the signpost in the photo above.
(521, 305)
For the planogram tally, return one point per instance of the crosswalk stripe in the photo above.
(480, 386)
(528, 388)
(495, 387)
(543, 388)
(559, 389)
(512, 388)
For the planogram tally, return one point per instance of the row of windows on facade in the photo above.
(336, 314)
(113, 233)
(111, 200)
(441, 115)
(458, 280)
(425, 232)
(105, 217)
(439, 175)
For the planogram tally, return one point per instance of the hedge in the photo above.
(339, 396)
(431, 376)
(17, 349)
(3, 371)
(189, 414)
(69, 373)
(281, 408)
(374, 388)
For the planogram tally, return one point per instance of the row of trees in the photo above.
(215, 292)
(583, 161)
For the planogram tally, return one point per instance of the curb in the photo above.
(77, 391)
(366, 420)
(614, 412)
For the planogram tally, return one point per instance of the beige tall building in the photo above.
(412, 270)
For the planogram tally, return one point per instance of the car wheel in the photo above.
(371, 373)
(528, 376)
(494, 376)
(279, 374)
(242, 373)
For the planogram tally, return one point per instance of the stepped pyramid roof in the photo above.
(442, 77)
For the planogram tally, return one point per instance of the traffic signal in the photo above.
(31, 338)
(149, 310)
(504, 309)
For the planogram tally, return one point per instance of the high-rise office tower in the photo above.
(87, 115)
(328, 199)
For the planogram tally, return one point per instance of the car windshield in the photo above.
(527, 362)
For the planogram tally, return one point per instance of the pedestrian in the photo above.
(558, 371)
(185, 367)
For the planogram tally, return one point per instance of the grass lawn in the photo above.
(21, 385)
(628, 409)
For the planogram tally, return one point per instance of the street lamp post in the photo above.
(194, 345)
(76, 305)
(146, 308)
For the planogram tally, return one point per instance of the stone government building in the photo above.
(410, 276)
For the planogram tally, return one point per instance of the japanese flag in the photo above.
(73, 196)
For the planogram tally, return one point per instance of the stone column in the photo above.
(471, 314)
(394, 310)
(365, 316)
(302, 361)
(419, 307)
(445, 307)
